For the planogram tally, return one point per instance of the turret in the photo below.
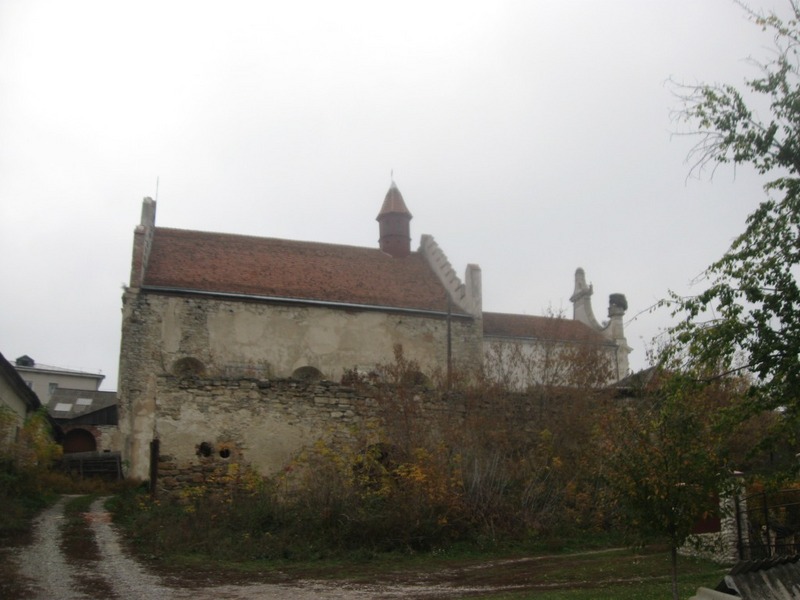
(394, 223)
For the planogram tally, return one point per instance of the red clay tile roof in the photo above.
(393, 202)
(227, 263)
(543, 328)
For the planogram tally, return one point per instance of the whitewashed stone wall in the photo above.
(204, 424)
(521, 364)
(239, 339)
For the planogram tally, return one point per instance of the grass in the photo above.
(611, 574)
(580, 572)
(549, 567)
(617, 575)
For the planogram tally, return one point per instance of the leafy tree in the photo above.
(26, 454)
(748, 318)
(665, 459)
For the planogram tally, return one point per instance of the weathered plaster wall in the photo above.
(16, 405)
(721, 547)
(229, 335)
(205, 424)
(109, 438)
(522, 363)
(239, 339)
(263, 423)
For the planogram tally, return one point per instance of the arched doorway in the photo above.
(79, 440)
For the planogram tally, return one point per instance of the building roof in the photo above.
(540, 328)
(394, 203)
(198, 261)
(776, 578)
(12, 377)
(27, 364)
(15, 381)
(641, 382)
(66, 404)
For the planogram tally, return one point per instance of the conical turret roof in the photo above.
(394, 203)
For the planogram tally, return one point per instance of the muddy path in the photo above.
(90, 562)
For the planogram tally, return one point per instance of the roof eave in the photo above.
(304, 301)
(521, 338)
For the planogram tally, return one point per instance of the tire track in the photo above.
(127, 577)
(43, 562)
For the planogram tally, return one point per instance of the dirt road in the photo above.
(46, 572)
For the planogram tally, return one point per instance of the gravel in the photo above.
(43, 562)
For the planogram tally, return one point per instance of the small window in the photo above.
(63, 407)
(52, 388)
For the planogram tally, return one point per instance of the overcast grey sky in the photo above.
(529, 137)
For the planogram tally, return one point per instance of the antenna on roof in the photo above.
(391, 175)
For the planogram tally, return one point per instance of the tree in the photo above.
(551, 362)
(748, 318)
(665, 458)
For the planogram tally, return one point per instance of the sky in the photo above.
(530, 137)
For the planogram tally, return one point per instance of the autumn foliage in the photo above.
(27, 452)
(501, 466)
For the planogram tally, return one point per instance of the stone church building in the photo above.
(215, 309)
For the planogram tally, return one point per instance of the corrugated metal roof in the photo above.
(776, 578)
(704, 593)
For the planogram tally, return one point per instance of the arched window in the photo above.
(79, 440)
(307, 374)
(188, 367)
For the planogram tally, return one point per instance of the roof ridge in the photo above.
(554, 318)
(269, 239)
(273, 268)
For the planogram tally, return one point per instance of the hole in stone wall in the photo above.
(225, 453)
(204, 449)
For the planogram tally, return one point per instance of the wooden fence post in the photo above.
(154, 448)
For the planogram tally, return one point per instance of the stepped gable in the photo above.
(541, 328)
(184, 260)
(442, 267)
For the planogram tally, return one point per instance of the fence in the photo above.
(768, 524)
